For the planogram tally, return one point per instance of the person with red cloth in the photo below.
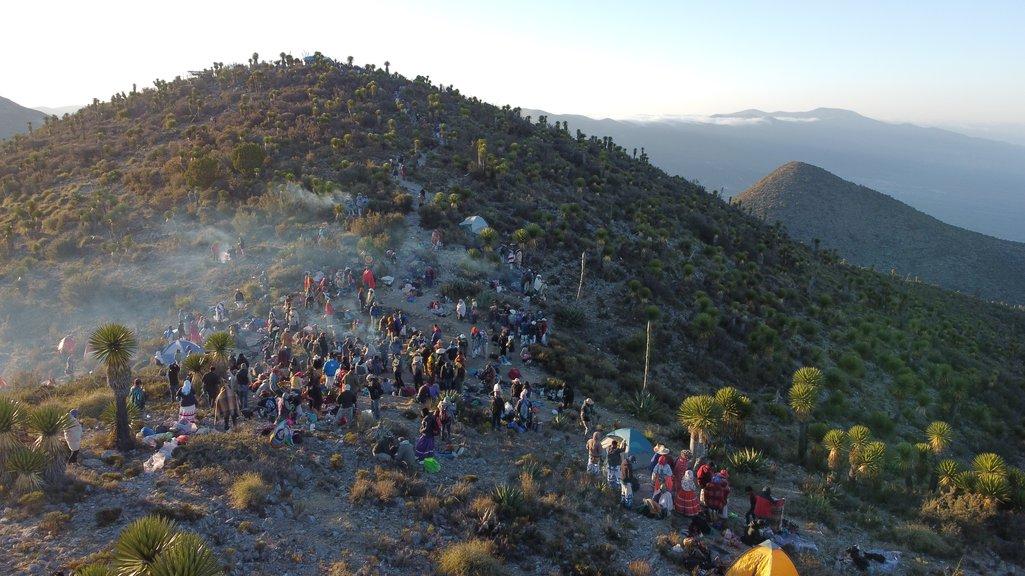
(686, 500)
(717, 493)
(704, 473)
(368, 279)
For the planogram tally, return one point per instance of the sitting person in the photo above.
(760, 504)
(659, 505)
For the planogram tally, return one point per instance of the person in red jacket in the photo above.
(704, 473)
(717, 493)
(368, 278)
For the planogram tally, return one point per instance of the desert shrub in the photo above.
(247, 157)
(336, 461)
(456, 289)
(851, 363)
(816, 507)
(922, 538)
(472, 558)
(180, 511)
(748, 460)
(432, 216)
(509, 500)
(569, 316)
(639, 568)
(54, 523)
(961, 515)
(249, 492)
(107, 516)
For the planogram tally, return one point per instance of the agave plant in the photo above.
(48, 422)
(701, 415)
(836, 442)
(946, 472)
(187, 555)
(938, 434)
(643, 405)
(25, 467)
(94, 570)
(747, 460)
(735, 408)
(964, 481)
(858, 437)
(508, 499)
(10, 417)
(989, 465)
(114, 345)
(219, 346)
(804, 396)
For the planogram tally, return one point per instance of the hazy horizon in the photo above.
(888, 62)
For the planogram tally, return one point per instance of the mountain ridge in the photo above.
(14, 118)
(873, 229)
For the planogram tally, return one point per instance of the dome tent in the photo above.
(636, 444)
(165, 356)
(473, 224)
(765, 559)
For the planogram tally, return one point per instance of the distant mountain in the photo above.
(970, 182)
(60, 110)
(872, 229)
(14, 118)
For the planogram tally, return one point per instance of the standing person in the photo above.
(628, 481)
(524, 412)
(497, 407)
(461, 310)
(172, 378)
(187, 402)
(662, 474)
(587, 415)
(211, 385)
(686, 500)
(428, 430)
(567, 396)
(242, 384)
(376, 391)
(680, 466)
(594, 454)
(704, 473)
(614, 459)
(73, 435)
(138, 395)
(346, 406)
(717, 494)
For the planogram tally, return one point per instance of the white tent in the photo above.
(474, 224)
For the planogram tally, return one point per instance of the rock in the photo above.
(92, 463)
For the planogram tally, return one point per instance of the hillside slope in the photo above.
(872, 229)
(14, 118)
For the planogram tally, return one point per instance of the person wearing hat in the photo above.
(587, 415)
(614, 461)
(594, 454)
(73, 435)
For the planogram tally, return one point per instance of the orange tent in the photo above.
(765, 559)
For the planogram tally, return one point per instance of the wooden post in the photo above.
(647, 358)
(583, 262)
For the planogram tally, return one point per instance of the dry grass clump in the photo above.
(639, 568)
(249, 492)
(472, 558)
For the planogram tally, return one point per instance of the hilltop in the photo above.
(15, 118)
(872, 229)
(126, 210)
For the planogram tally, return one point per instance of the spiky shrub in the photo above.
(835, 441)
(946, 472)
(219, 346)
(194, 364)
(113, 345)
(109, 419)
(152, 546)
(807, 376)
(939, 434)
(643, 405)
(48, 423)
(804, 396)
(10, 417)
(989, 465)
(995, 489)
(748, 460)
(701, 416)
(904, 462)
(964, 482)
(735, 409)
(25, 467)
(509, 500)
(471, 558)
(857, 438)
(873, 458)
(94, 570)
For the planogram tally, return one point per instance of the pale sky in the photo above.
(926, 61)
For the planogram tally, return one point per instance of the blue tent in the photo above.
(636, 443)
(165, 356)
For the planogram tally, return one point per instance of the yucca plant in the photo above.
(219, 346)
(905, 462)
(194, 364)
(25, 467)
(807, 375)
(946, 472)
(94, 570)
(804, 396)
(964, 482)
(938, 435)
(735, 409)
(989, 465)
(748, 460)
(873, 457)
(109, 419)
(114, 345)
(857, 437)
(187, 555)
(643, 405)
(994, 489)
(48, 423)
(701, 416)
(508, 499)
(10, 417)
(836, 442)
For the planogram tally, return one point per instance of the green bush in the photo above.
(249, 492)
(923, 539)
